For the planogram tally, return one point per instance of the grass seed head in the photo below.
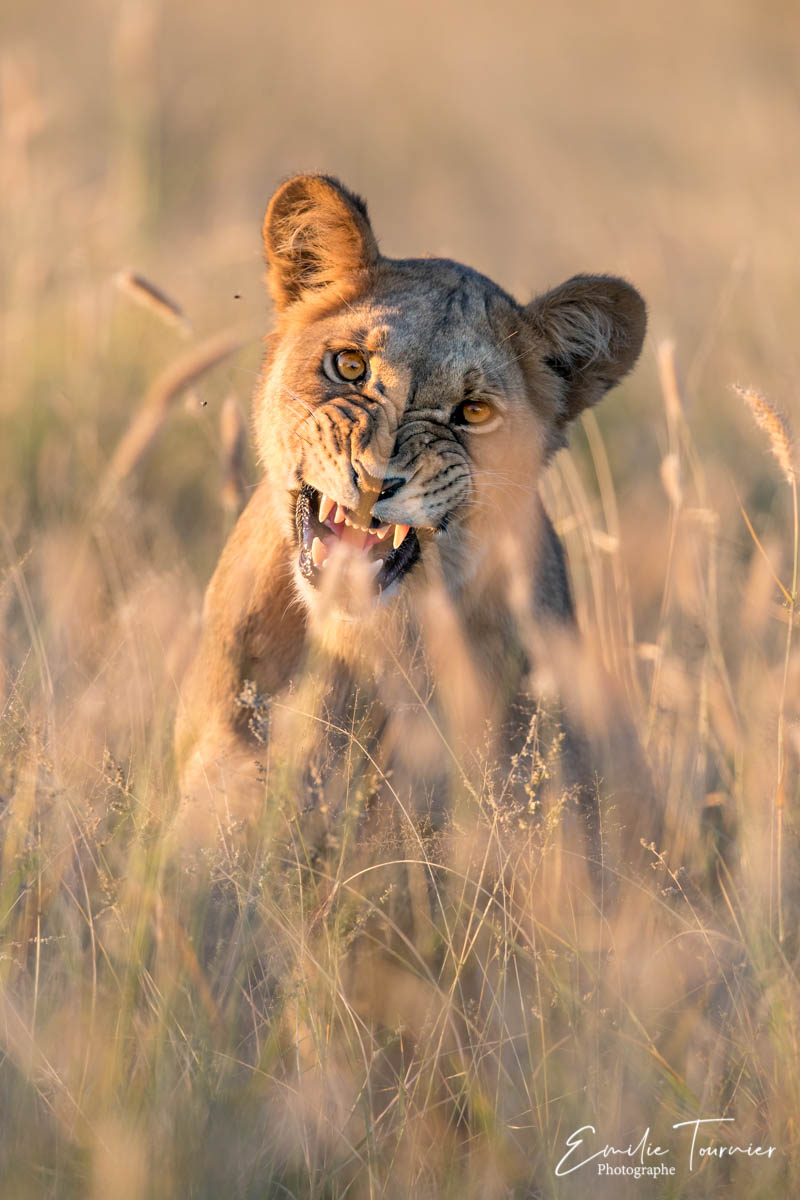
(776, 425)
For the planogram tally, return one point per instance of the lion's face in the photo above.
(393, 413)
(408, 406)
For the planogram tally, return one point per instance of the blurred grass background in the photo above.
(532, 141)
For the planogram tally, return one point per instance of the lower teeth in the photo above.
(319, 552)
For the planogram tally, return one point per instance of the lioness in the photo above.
(397, 543)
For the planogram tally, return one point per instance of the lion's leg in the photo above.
(253, 631)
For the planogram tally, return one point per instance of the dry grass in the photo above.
(316, 1013)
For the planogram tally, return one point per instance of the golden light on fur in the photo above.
(372, 496)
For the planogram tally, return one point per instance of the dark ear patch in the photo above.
(559, 365)
(316, 233)
(593, 327)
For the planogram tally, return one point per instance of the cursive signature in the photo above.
(646, 1152)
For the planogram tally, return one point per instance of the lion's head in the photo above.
(408, 406)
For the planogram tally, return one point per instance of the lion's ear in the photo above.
(593, 327)
(315, 233)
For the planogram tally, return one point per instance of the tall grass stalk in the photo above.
(776, 426)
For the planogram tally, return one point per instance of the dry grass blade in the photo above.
(155, 406)
(668, 378)
(232, 432)
(776, 425)
(145, 293)
(671, 479)
(760, 547)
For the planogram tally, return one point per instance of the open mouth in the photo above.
(389, 550)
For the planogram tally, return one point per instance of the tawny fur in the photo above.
(460, 631)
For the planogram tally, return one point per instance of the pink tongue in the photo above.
(354, 537)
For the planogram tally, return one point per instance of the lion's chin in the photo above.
(346, 561)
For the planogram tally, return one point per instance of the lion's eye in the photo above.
(473, 412)
(350, 365)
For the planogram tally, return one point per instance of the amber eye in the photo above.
(350, 365)
(474, 412)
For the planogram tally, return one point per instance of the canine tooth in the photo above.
(325, 506)
(376, 566)
(400, 532)
(382, 531)
(319, 552)
(339, 515)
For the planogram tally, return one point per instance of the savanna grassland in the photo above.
(264, 1025)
